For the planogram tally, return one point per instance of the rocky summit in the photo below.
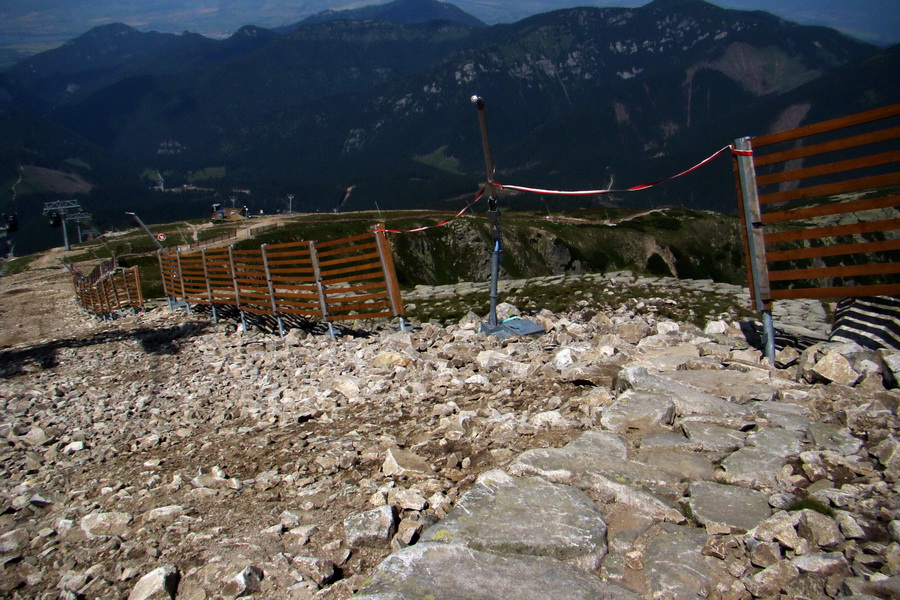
(620, 455)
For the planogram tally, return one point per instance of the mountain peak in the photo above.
(673, 4)
(400, 11)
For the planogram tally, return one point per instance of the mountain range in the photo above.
(27, 26)
(376, 101)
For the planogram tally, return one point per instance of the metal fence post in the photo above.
(209, 294)
(166, 273)
(271, 286)
(752, 217)
(237, 293)
(390, 274)
(320, 288)
(181, 280)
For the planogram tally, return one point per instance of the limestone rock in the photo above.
(159, 584)
(727, 508)
(688, 400)
(836, 368)
(675, 567)
(497, 515)
(244, 583)
(639, 411)
(109, 523)
(404, 463)
(407, 499)
(14, 540)
(456, 571)
(771, 580)
(829, 436)
(235, 449)
(491, 360)
(822, 563)
(320, 570)
(820, 530)
(372, 528)
(714, 438)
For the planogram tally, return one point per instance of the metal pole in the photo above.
(187, 304)
(65, 231)
(320, 287)
(493, 212)
(237, 290)
(755, 241)
(478, 101)
(271, 287)
(146, 230)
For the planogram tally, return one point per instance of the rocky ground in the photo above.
(623, 454)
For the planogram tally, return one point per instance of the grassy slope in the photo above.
(687, 244)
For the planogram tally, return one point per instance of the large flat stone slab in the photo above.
(714, 438)
(828, 436)
(435, 570)
(786, 415)
(784, 442)
(758, 463)
(727, 508)
(736, 385)
(594, 453)
(675, 567)
(752, 467)
(691, 466)
(642, 412)
(526, 515)
(688, 400)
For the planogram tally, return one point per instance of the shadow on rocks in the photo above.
(46, 356)
(269, 323)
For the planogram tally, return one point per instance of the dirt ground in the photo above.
(39, 304)
(167, 404)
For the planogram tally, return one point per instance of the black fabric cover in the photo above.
(872, 322)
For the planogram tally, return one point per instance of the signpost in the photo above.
(155, 238)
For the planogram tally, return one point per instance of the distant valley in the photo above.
(360, 111)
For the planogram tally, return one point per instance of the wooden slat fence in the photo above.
(820, 205)
(339, 280)
(108, 289)
(221, 237)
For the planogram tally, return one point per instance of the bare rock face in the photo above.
(497, 515)
(619, 455)
(371, 528)
(105, 524)
(159, 584)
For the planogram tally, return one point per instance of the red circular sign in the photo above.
(161, 237)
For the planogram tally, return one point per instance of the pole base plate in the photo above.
(513, 327)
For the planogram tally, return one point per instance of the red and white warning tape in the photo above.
(520, 188)
(442, 223)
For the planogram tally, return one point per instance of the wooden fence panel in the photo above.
(108, 289)
(251, 283)
(353, 279)
(169, 273)
(133, 287)
(193, 278)
(828, 208)
(339, 280)
(219, 276)
(294, 281)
